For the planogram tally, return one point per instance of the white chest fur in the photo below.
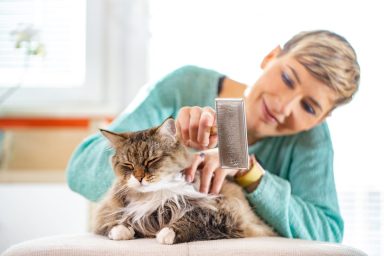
(147, 199)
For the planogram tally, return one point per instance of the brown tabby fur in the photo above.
(146, 158)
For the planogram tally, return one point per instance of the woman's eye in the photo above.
(308, 108)
(287, 80)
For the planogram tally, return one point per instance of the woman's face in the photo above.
(286, 99)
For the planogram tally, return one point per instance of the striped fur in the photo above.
(150, 197)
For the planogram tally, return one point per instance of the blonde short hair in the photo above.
(328, 57)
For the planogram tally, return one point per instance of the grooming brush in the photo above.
(232, 133)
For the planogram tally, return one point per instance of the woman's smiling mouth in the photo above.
(267, 116)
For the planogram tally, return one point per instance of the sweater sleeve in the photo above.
(305, 205)
(89, 172)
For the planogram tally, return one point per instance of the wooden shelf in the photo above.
(32, 176)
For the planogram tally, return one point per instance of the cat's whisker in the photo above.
(117, 212)
(121, 189)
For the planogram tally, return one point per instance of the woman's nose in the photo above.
(287, 108)
(286, 105)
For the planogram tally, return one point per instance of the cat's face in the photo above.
(148, 157)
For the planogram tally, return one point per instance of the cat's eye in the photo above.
(128, 166)
(151, 161)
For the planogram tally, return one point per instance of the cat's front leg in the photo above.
(166, 236)
(121, 232)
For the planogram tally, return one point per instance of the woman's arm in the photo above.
(89, 172)
(305, 204)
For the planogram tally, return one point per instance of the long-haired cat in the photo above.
(150, 197)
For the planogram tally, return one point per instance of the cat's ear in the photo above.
(168, 127)
(114, 138)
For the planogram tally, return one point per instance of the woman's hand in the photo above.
(196, 127)
(211, 175)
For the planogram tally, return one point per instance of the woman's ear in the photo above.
(270, 56)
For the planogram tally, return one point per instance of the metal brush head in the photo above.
(232, 133)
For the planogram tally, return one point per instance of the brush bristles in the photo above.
(232, 133)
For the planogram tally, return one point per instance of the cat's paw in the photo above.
(121, 232)
(166, 236)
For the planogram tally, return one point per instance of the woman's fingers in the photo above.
(206, 122)
(194, 124)
(213, 141)
(217, 181)
(191, 171)
(206, 177)
(182, 124)
(211, 175)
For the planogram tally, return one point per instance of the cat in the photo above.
(150, 197)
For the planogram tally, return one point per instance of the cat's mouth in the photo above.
(160, 184)
(145, 183)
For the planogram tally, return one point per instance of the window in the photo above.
(70, 73)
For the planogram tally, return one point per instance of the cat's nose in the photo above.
(139, 177)
(139, 174)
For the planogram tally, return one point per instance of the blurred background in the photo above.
(67, 67)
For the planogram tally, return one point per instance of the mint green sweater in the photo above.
(297, 194)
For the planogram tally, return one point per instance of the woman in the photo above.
(291, 186)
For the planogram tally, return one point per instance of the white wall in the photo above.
(30, 211)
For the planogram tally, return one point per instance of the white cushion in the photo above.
(93, 245)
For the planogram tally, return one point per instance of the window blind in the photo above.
(363, 213)
(61, 29)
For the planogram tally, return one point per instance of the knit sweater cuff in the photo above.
(270, 189)
(270, 200)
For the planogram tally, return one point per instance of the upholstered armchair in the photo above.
(93, 245)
